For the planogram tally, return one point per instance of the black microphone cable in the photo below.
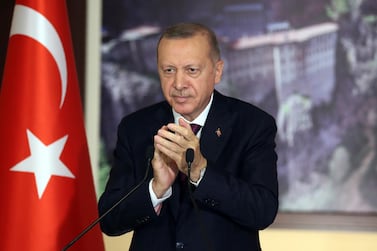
(149, 156)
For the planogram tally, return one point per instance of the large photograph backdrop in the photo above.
(311, 64)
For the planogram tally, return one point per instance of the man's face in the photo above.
(187, 73)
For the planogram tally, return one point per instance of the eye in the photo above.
(168, 70)
(193, 71)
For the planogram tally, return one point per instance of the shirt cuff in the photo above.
(196, 183)
(156, 201)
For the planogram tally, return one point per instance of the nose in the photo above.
(179, 80)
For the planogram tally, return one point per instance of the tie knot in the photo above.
(195, 128)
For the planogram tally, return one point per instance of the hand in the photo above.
(173, 141)
(164, 170)
(199, 161)
(164, 173)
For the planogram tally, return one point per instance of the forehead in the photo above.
(195, 45)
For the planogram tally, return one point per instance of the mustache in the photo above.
(180, 94)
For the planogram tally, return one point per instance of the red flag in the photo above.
(46, 186)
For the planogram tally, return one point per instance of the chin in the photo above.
(181, 109)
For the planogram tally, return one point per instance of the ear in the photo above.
(219, 66)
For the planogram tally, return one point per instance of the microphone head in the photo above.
(189, 155)
(149, 153)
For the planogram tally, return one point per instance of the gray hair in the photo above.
(187, 30)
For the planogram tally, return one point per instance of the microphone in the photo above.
(189, 156)
(189, 160)
(149, 157)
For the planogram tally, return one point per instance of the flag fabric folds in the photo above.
(46, 185)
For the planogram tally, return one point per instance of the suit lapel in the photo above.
(217, 129)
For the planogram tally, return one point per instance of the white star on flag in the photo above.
(44, 161)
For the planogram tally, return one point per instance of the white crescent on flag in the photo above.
(28, 22)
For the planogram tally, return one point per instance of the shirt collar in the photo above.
(200, 120)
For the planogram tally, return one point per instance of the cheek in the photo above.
(166, 88)
(205, 88)
(165, 85)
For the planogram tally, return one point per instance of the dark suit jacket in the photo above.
(237, 196)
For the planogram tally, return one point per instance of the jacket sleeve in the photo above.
(127, 172)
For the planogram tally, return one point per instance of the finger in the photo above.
(168, 140)
(173, 155)
(158, 155)
(167, 134)
(181, 130)
(173, 139)
(171, 149)
(184, 124)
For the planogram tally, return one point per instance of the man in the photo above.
(233, 174)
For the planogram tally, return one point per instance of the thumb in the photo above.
(183, 123)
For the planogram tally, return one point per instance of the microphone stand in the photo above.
(88, 228)
(189, 160)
